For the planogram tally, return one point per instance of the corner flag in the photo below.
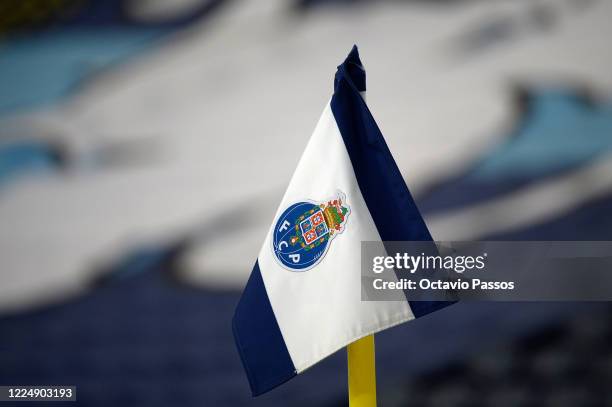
(303, 299)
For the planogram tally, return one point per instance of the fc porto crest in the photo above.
(305, 230)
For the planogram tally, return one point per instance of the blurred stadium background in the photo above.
(145, 144)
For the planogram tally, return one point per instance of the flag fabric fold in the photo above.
(303, 299)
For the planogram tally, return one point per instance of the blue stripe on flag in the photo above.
(259, 340)
(381, 183)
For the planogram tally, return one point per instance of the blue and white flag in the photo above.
(303, 300)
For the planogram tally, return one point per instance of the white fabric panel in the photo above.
(320, 310)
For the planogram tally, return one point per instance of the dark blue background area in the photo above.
(144, 340)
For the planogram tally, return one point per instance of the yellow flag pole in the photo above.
(362, 373)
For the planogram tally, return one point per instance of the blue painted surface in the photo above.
(44, 67)
(26, 157)
(559, 133)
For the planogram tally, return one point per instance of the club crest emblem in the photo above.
(305, 230)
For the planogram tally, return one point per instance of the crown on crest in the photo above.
(334, 213)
